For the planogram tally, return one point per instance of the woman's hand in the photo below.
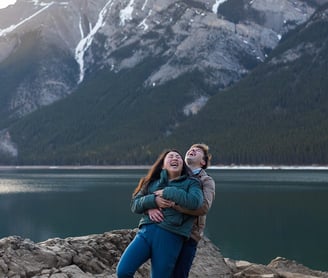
(155, 215)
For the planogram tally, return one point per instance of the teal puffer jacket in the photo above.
(184, 191)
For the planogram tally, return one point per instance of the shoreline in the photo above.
(97, 255)
(142, 167)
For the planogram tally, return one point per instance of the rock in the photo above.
(97, 256)
(89, 256)
(277, 268)
(209, 262)
(286, 268)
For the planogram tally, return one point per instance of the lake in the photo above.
(258, 214)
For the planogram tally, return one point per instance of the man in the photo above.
(198, 159)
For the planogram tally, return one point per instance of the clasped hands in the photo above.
(156, 214)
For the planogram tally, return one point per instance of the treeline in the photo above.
(278, 114)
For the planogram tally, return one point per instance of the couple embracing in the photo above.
(173, 198)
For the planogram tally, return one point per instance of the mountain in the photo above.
(114, 82)
(278, 113)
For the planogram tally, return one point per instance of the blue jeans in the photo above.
(162, 246)
(185, 259)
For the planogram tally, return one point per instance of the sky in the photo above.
(6, 3)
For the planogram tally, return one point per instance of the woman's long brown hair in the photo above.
(154, 172)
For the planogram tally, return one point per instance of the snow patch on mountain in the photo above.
(5, 4)
(143, 23)
(11, 28)
(194, 107)
(144, 5)
(216, 5)
(86, 41)
(126, 13)
(6, 145)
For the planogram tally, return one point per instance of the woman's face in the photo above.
(173, 163)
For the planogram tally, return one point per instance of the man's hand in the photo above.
(163, 203)
(155, 215)
(159, 192)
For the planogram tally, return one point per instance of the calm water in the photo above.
(257, 215)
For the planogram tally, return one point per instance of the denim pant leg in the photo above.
(186, 257)
(165, 251)
(137, 253)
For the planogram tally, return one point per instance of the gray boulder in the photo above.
(97, 256)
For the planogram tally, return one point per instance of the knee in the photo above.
(123, 272)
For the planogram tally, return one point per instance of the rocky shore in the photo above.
(97, 256)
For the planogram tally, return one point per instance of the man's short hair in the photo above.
(207, 156)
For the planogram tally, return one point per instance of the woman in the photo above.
(168, 182)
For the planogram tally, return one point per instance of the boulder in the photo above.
(277, 268)
(97, 256)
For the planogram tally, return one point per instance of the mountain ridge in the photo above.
(128, 99)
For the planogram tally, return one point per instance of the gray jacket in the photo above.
(208, 187)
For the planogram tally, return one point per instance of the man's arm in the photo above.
(208, 185)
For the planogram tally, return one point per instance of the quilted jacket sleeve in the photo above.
(140, 203)
(190, 199)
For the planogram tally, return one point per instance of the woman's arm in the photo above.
(191, 199)
(208, 186)
(141, 203)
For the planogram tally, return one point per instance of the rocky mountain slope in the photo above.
(63, 42)
(123, 54)
(277, 114)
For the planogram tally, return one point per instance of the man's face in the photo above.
(195, 156)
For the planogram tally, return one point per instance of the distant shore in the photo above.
(127, 167)
(73, 167)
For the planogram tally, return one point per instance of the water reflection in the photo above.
(10, 186)
(257, 215)
(59, 180)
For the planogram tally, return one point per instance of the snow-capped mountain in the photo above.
(121, 34)
(50, 49)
